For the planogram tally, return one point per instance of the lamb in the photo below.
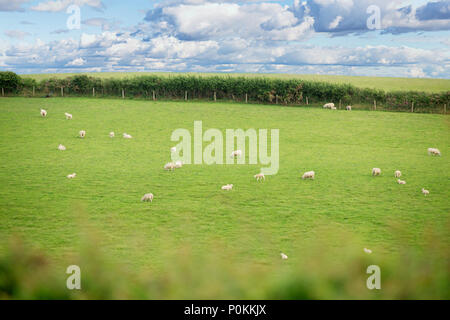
(127, 136)
(309, 175)
(170, 166)
(43, 113)
(397, 174)
(68, 116)
(82, 134)
(425, 192)
(178, 164)
(329, 106)
(376, 171)
(111, 134)
(434, 151)
(348, 108)
(236, 154)
(147, 197)
(71, 176)
(228, 187)
(283, 256)
(401, 181)
(260, 176)
(368, 251)
(333, 108)
(61, 147)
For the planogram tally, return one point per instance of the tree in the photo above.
(10, 81)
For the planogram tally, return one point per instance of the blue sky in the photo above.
(406, 39)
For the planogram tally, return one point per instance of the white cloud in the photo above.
(78, 62)
(17, 34)
(61, 5)
(12, 5)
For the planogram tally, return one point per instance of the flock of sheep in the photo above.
(235, 154)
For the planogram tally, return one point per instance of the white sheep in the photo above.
(61, 147)
(348, 108)
(434, 151)
(333, 108)
(71, 176)
(425, 192)
(236, 154)
(228, 187)
(401, 181)
(309, 175)
(329, 106)
(368, 251)
(147, 197)
(376, 171)
(68, 116)
(82, 134)
(111, 134)
(173, 149)
(170, 166)
(397, 174)
(283, 256)
(260, 176)
(178, 164)
(127, 136)
(43, 113)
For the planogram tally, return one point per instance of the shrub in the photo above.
(10, 81)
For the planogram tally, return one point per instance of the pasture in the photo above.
(255, 221)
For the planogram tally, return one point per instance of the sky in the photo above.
(392, 38)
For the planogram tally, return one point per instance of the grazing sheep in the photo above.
(283, 256)
(147, 197)
(329, 106)
(71, 176)
(173, 149)
(397, 174)
(376, 171)
(111, 134)
(434, 151)
(236, 154)
(178, 164)
(333, 108)
(401, 181)
(82, 134)
(348, 108)
(260, 176)
(309, 175)
(368, 251)
(170, 166)
(61, 147)
(425, 192)
(43, 113)
(228, 187)
(127, 136)
(68, 116)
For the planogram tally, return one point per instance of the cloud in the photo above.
(17, 34)
(12, 5)
(104, 24)
(61, 5)
(78, 62)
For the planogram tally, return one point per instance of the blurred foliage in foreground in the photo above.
(319, 272)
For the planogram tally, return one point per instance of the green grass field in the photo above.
(383, 83)
(255, 221)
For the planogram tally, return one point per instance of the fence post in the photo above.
(62, 91)
(340, 103)
(375, 104)
(412, 106)
(185, 96)
(445, 108)
(123, 94)
(246, 98)
(307, 102)
(93, 92)
(215, 96)
(276, 99)
(3, 92)
(33, 91)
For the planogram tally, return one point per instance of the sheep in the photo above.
(425, 192)
(170, 166)
(111, 134)
(61, 147)
(173, 149)
(71, 176)
(397, 174)
(259, 176)
(147, 197)
(68, 116)
(283, 256)
(178, 164)
(82, 134)
(228, 187)
(43, 113)
(376, 171)
(236, 154)
(401, 181)
(127, 136)
(333, 108)
(329, 105)
(368, 251)
(434, 151)
(309, 175)
(348, 108)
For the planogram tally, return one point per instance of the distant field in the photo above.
(387, 84)
(255, 220)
